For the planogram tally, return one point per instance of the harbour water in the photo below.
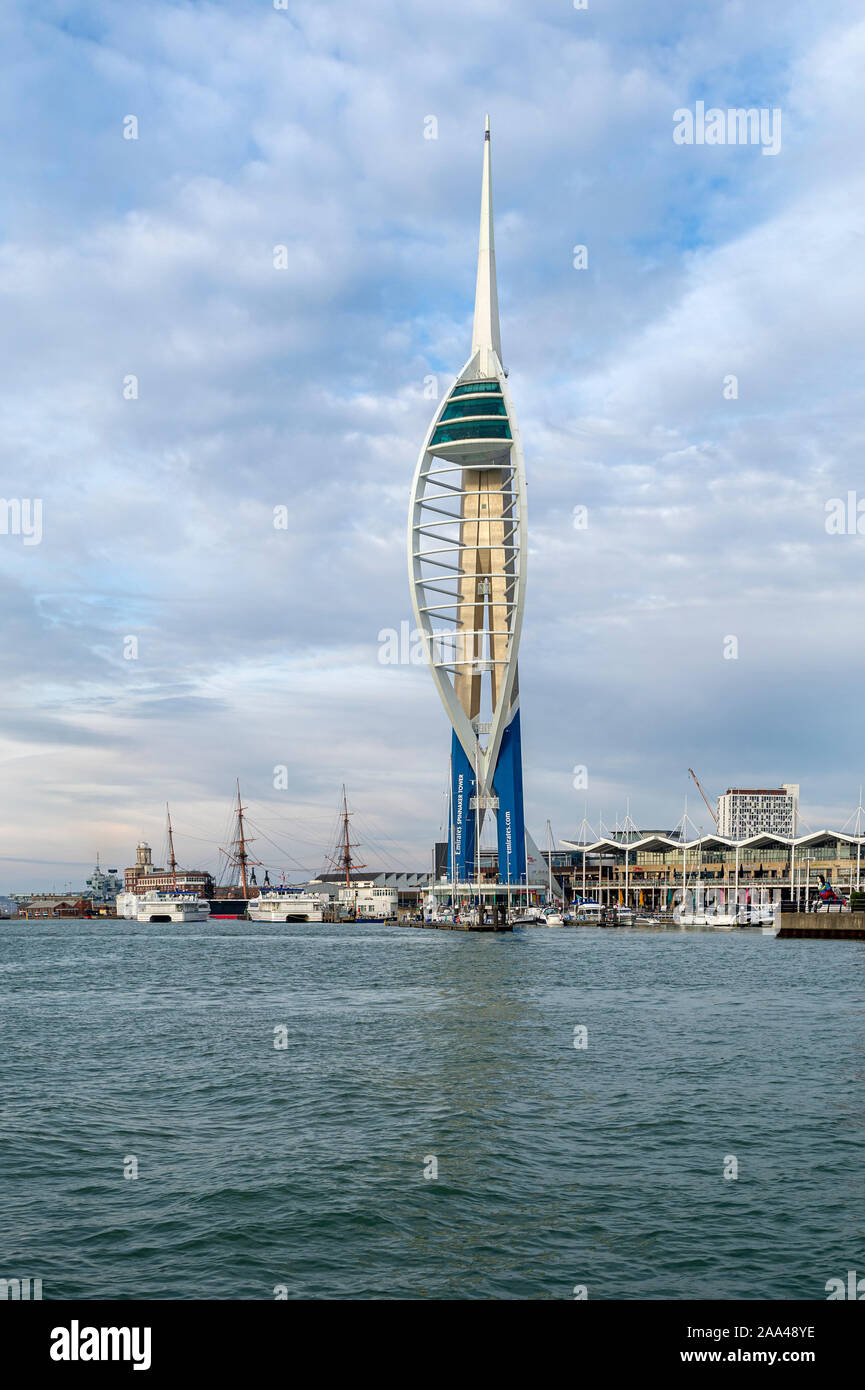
(299, 1169)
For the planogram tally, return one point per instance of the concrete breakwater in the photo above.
(840, 926)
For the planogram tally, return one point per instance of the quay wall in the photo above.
(838, 925)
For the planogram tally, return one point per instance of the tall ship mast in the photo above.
(172, 860)
(238, 853)
(343, 859)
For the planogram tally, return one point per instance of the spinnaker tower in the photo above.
(467, 571)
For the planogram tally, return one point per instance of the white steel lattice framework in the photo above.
(467, 571)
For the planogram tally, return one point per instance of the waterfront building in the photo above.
(744, 811)
(367, 899)
(140, 869)
(144, 875)
(650, 869)
(45, 905)
(467, 573)
(406, 889)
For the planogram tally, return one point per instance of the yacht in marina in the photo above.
(726, 918)
(756, 915)
(554, 914)
(588, 912)
(528, 917)
(700, 917)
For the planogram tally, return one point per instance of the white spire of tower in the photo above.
(485, 331)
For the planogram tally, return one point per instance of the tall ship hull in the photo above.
(228, 907)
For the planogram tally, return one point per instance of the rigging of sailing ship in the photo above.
(342, 857)
(238, 853)
(172, 859)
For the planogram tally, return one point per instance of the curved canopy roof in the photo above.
(659, 844)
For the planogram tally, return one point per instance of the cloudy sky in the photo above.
(303, 387)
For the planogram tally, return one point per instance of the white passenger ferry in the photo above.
(287, 905)
(158, 906)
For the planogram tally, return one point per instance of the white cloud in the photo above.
(304, 387)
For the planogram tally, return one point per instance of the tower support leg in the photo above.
(461, 833)
(508, 784)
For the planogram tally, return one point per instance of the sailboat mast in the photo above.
(172, 861)
(478, 818)
(550, 861)
(685, 857)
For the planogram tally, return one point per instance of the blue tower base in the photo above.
(510, 818)
(461, 835)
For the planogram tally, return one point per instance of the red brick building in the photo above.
(143, 874)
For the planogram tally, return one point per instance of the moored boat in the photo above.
(162, 906)
(589, 913)
(719, 920)
(289, 904)
(528, 917)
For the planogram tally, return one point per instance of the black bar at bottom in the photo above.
(164, 1339)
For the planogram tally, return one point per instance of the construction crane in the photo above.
(703, 795)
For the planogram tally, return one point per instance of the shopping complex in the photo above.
(648, 869)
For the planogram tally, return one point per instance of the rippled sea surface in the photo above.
(303, 1165)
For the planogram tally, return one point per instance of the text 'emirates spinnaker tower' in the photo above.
(467, 569)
